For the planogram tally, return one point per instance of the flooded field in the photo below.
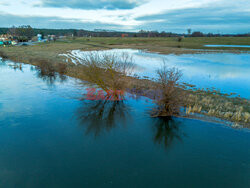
(226, 72)
(51, 138)
(229, 46)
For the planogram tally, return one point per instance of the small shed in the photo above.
(124, 35)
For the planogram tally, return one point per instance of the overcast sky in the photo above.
(217, 16)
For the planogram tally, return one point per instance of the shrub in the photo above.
(180, 39)
(168, 96)
(61, 68)
(109, 72)
(3, 55)
(45, 67)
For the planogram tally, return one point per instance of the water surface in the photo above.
(50, 138)
(226, 72)
(229, 46)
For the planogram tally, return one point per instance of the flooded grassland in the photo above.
(215, 84)
(51, 135)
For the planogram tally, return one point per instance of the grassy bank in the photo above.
(209, 103)
(205, 102)
(161, 45)
(170, 45)
(50, 51)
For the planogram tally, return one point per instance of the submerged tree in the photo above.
(104, 108)
(169, 97)
(49, 72)
(108, 72)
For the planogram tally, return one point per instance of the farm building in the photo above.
(6, 39)
(124, 35)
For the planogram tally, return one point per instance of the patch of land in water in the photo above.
(205, 102)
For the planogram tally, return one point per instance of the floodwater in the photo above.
(51, 138)
(227, 72)
(229, 46)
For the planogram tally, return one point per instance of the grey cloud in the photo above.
(8, 20)
(206, 19)
(209, 19)
(93, 4)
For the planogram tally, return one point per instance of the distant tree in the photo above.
(24, 32)
(197, 34)
(42, 33)
(12, 31)
(163, 34)
(81, 33)
(74, 34)
(210, 35)
(3, 31)
(189, 31)
(153, 34)
(142, 31)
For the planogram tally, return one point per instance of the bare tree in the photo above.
(23, 33)
(169, 97)
(12, 31)
(108, 71)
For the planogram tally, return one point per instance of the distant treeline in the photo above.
(105, 33)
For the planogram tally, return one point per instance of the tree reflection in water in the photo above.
(48, 76)
(102, 115)
(166, 131)
(16, 66)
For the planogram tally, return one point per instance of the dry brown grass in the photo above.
(234, 109)
(3, 55)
